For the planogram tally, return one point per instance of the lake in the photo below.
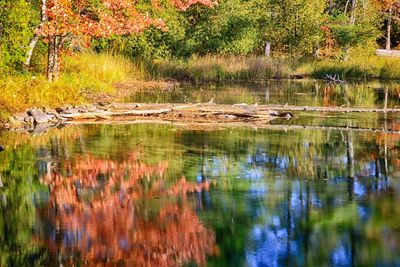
(162, 195)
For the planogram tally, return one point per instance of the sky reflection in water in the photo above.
(159, 196)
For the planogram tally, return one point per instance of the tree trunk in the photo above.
(267, 49)
(31, 46)
(389, 29)
(53, 61)
(35, 39)
(353, 12)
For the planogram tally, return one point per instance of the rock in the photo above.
(15, 123)
(41, 128)
(39, 116)
(60, 110)
(102, 104)
(1, 148)
(71, 111)
(272, 112)
(91, 109)
(20, 117)
(29, 120)
(286, 115)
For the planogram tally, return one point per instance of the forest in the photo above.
(200, 133)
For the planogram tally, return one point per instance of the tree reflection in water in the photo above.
(94, 214)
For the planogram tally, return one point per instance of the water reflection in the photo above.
(95, 214)
(148, 195)
(322, 214)
(301, 93)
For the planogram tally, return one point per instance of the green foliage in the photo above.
(294, 26)
(351, 35)
(232, 27)
(15, 33)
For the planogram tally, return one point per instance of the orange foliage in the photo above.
(105, 18)
(330, 48)
(104, 223)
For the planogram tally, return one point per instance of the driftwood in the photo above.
(388, 53)
(328, 109)
(335, 78)
(101, 114)
(205, 112)
(322, 127)
(207, 116)
(227, 125)
(173, 112)
(249, 108)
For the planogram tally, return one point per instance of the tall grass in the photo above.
(228, 68)
(221, 68)
(82, 75)
(371, 67)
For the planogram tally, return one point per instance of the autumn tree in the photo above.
(67, 21)
(114, 227)
(391, 12)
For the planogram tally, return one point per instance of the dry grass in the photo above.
(371, 67)
(221, 68)
(234, 68)
(83, 75)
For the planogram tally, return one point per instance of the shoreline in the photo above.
(125, 89)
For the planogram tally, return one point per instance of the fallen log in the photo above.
(172, 112)
(329, 128)
(222, 126)
(244, 108)
(388, 53)
(327, 109)
(94, 115)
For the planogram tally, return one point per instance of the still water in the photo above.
(159, 195)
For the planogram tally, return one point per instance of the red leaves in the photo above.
(106, 222)
(119, 17)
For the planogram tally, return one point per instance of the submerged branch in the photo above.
(328, 109)
(330, 128)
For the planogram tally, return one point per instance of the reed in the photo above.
(221, 68)
(356, 68)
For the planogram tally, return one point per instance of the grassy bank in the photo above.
(221, 68)
(87, 76)
(233, 68)
(357, 68)
(83, 76)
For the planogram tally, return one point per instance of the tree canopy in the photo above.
(182, 28)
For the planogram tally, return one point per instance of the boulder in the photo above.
(39, 116)
(29, 120)
(41, 128)
(20, 117)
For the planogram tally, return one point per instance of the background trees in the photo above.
(15, 19)
(64, 22)
(334, 28)
(390, 9)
